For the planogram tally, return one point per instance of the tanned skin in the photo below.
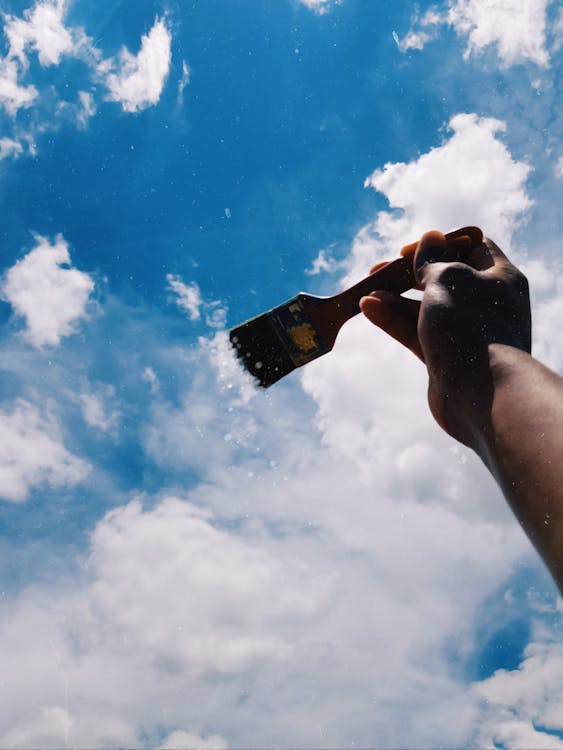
(472, 330)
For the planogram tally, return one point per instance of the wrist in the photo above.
(469, 403)
(500, 380)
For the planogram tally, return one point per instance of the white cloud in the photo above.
(180, 740)
(471, 178)
(135, 82)
(524, 704)
(189, 299)
(319, 6)
(180, 603)
(234, 594)
(547, 312)
(184, 80)
(557, 32)
(88, 106)
(559, 168)
(414, 40)
(423, 30)
(323, 263)
(99, 409)
(10, 147)
(56, 726)
(32, 454)
(41, 29)
(215, 315)
(13, 96)
(188, 296)
(50, 296)
(516, 27)
(139, 80)
(150, 377)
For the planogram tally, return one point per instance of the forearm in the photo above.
(522, 445)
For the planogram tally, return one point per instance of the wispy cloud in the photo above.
(32, 454)
(188, 296)
(184, 80)
(99, 408)
(320, 6)
(323, 263)
(189, 299)
(14, 96)
(10, 147)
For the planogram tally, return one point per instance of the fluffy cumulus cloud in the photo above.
(32, 453)
(445, 188)
(52, 297)
(516, 28)
(138, 80)
(42, 30)
(525, 705)
(228, 617)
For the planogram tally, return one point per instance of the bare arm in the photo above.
(524, 448)
(473, 332)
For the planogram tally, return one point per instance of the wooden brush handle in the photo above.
(397, 276)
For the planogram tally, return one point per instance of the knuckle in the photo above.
(452, 275)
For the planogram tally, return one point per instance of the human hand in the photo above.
(467, 308)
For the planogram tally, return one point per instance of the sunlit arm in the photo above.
(522, 444)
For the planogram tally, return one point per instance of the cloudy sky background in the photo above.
(186, 561)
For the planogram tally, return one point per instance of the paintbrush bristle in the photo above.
(261, 351)
(271, 345)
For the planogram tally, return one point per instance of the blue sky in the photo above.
(186, 561)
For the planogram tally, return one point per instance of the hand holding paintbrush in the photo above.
(273, 344)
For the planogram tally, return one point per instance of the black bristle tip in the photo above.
(261, 350)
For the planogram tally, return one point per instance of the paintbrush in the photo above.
(273, 344)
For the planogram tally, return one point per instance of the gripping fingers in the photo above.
(396, 315)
